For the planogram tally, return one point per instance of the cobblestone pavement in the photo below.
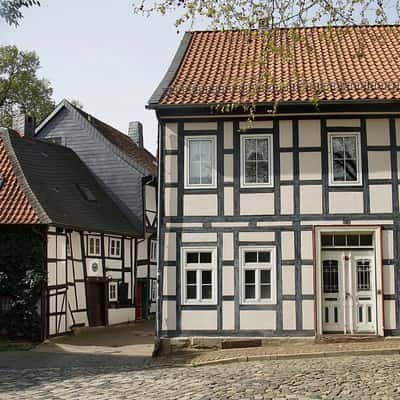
(373, 377)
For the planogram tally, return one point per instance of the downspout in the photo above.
(158, 308)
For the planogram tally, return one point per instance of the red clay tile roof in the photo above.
(15, 208)
(346, 63)
(124, 143)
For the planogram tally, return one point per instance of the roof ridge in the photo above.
(116, 131)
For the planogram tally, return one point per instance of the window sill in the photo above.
(258, 303)
(344, 184)
(199, 303)
(201, 187)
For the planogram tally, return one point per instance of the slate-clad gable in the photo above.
(109, 154)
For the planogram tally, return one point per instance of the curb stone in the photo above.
(292, 356)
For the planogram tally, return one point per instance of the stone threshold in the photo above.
(291, 356)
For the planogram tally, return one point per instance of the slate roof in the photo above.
(45, 186)
(123, 142)
(324, 63)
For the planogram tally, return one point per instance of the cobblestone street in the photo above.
(372, 377)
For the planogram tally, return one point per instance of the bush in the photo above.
(21, 280)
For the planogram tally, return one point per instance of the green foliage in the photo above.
(245, 14)
(21, 278)
(20, 86)
(10, 10)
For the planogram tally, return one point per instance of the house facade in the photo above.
(88, 248)
(127, 173)
(285, 224)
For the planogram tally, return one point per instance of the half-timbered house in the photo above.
(287, 224)
(126, 171)
(89, 246)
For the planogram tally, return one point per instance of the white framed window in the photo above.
(199, 275)
(256, 154)
(112, 291)
(153, 250)
(344, 159)
(115, 247)
(258, 275)
(200, 162)
(94, 246)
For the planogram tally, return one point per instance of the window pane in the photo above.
(250, 173)
(250, 149)
(337, 148)
(206, 146)
(330, 276)
(262, 149)
(206, 277)
(350, 147)
(338, 171)
(352, 240)
(250, 257)
(327, 240)
(264, 256)
(363, 275)
(351, 170)
(205, 258)
(250, 276)
(194, 150)
(262, 172)
(206, 173)
(194, 173)
(265, 276)
(366, 240)
(265, 292)
(191, 292)
(191, 277)
(192, 258)
(340, 240)
(206, 292)
(250, 292)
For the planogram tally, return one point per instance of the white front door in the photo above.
(348, 291)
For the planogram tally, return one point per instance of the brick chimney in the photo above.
(135, 132)
(24, 124)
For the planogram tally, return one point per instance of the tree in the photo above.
(20, 86)
(10, 10)
(249, 14)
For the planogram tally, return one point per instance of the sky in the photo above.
(101, 54)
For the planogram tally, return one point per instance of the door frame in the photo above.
(376, 230)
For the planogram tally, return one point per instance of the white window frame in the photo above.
(199, 268)
(271, 266)
(331, 136)
(93, 253)
(115, 286)
(153, 250)
(115, 241)
(243, 183)
(213, 184)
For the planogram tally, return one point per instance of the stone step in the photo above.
(334, 338)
